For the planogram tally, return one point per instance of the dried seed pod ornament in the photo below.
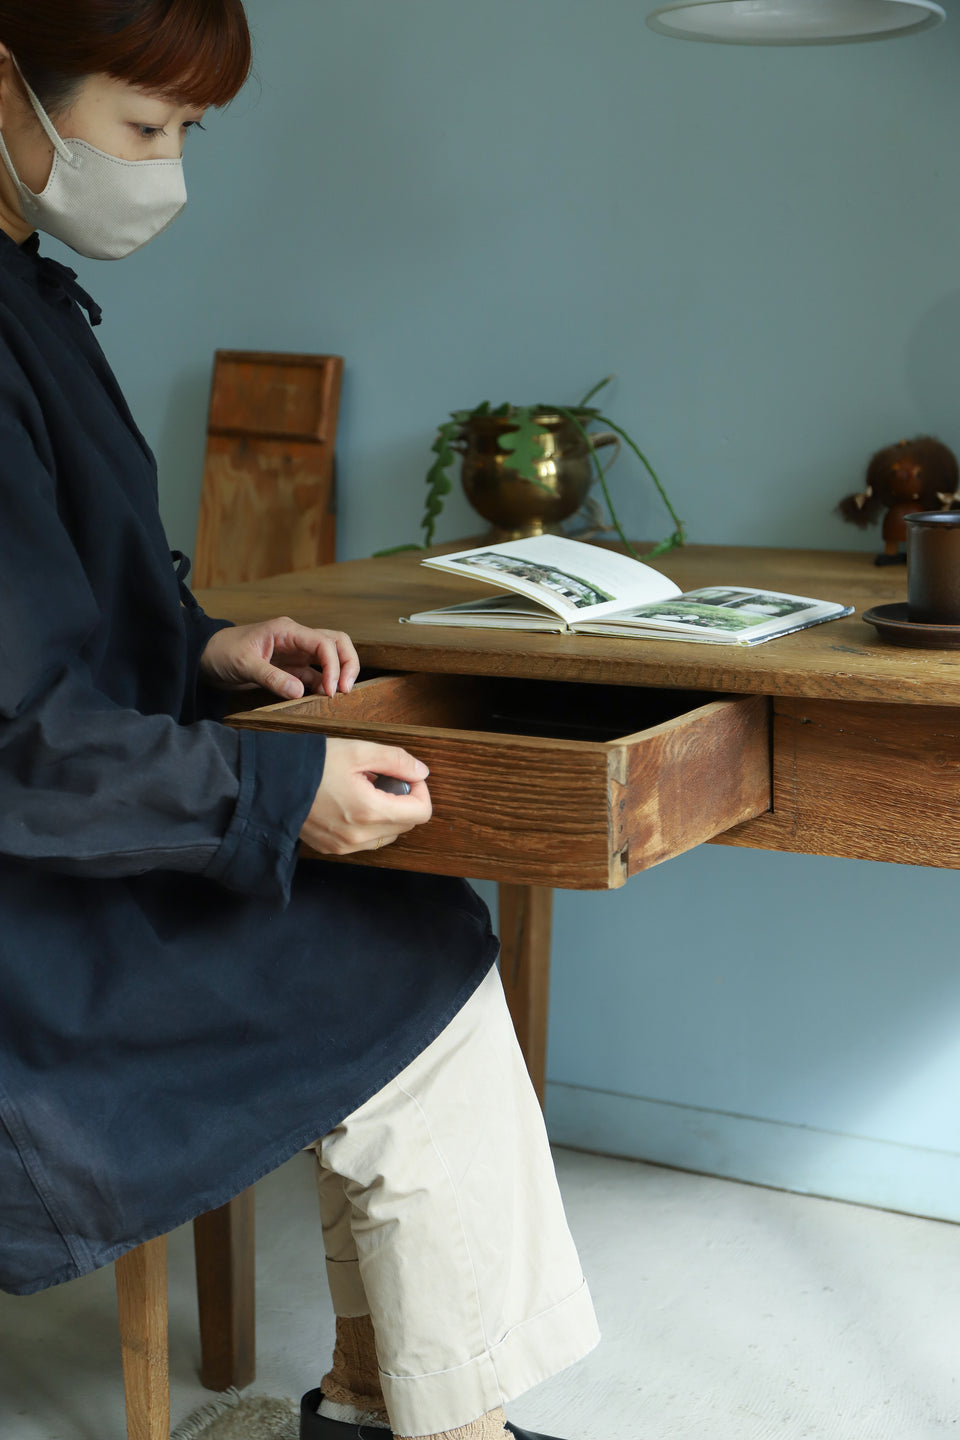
(903, 479)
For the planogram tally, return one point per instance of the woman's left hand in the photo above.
(280, 655)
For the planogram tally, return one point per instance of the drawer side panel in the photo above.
(694, 777)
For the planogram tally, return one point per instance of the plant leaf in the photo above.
(523, 445)
(438, 480)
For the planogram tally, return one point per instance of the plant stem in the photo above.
(681, 537)
(677, 538)
(590, 393)
(603, 481)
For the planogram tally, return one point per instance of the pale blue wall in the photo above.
(509, 200)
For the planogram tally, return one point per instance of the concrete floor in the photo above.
(729, 1313)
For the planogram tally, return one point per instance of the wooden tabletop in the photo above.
(843, 659)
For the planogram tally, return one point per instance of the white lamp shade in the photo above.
(794, 22)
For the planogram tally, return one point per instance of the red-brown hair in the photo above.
(196, 52)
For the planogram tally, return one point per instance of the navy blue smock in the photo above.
(182, 1007)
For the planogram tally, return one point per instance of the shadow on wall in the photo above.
(388, 490)
(181, 446)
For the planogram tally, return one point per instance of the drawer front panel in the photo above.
(504, 808)
(541, 810)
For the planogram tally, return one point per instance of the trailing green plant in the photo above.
(522, 444)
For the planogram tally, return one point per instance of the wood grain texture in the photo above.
(392, 699)
(268, 502)
(534, 809)
(869, 782)
(693, 777)
(141, 1277)
(503, 806)
(525, 923)
(842, 660)
(224, 1241)
(289, 397)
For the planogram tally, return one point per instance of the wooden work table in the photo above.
(861, 739)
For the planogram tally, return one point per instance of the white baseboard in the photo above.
(882, 1173)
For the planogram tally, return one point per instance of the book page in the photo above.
(499, 612)
(574, 580)
(761, 605)
(729, 612)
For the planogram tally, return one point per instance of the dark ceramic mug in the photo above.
(933, 567)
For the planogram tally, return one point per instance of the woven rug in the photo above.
(230, 1417)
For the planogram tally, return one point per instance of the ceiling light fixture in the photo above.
(794, 22)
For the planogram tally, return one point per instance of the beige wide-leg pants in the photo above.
(443, 1221)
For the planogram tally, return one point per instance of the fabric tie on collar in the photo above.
(182, 562)
(61, 280)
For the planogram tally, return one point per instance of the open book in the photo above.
(558, 584)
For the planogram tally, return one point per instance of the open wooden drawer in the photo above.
(548, 782)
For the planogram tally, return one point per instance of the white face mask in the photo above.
(102, 207)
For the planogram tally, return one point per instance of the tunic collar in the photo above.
(56, 281)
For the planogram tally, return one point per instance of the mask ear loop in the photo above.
(52, 134)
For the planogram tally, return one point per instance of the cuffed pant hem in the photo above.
(346, 1289)
(528, 1354)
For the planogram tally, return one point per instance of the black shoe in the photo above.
(314, 1426)
(527, 1434)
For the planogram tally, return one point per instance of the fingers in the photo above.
(281, 656)
(280, 682)
(404, 811)
(349, 813)
(382, 841)
(338, 660)
(349, 840)
(310, 679)
(393, 760)
(349, 662)
(332, 650)
(397, 813)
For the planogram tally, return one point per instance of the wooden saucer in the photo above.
(891, 623)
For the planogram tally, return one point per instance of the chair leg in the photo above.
(142, 1306)
(226, 1292)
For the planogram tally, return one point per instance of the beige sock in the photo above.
(488, 1427)
(355, 1377)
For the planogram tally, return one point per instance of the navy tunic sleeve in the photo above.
(92, 787)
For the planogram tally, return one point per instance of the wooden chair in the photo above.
(268, 503)
(225, 1290)
(268, 506)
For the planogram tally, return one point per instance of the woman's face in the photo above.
(109, 114)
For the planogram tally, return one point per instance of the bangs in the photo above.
(196, 52)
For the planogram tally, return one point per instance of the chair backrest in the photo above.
(268, 504)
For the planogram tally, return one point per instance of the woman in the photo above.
(183, 1006)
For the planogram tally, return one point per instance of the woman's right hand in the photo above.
(350, 814)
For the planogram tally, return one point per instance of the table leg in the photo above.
(526, 912)
(224, 1243)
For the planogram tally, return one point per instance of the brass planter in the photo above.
(515, 506)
